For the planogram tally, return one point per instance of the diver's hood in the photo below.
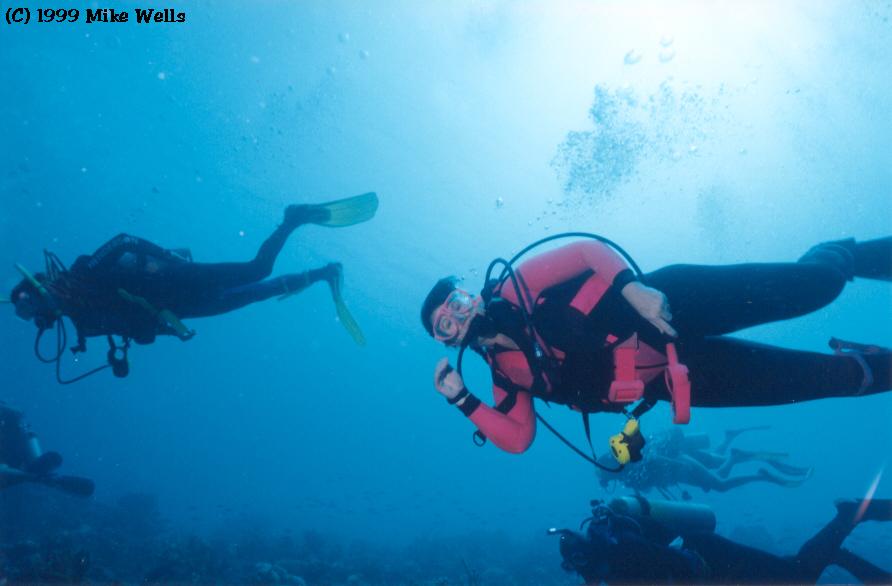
(31, 305)
(588, 555)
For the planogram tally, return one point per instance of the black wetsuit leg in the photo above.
(728, 372)
(729, 562)
(867, 572)
(237, 297)
(200, 277)
(716, 300)
(709, 301)
(825, 547)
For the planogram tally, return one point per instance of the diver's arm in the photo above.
(513, 431)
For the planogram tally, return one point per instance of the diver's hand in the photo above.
(652, 305)
(447, 380)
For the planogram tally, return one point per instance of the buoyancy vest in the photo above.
(591, 348)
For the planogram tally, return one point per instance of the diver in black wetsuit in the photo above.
(622, 549)
(22, 460)
(138, 290)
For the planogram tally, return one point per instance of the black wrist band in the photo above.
(461, 395)
(470, 405)
(624, 278)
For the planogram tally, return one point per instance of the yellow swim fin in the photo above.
(344, 315)
(349, 211)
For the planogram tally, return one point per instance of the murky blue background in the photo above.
(710, 132)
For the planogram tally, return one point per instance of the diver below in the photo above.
(630, 541)
(674, 458)
(22, 460)
(138, 290)
(577, 326)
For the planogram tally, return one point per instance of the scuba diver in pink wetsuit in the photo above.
(576, 325)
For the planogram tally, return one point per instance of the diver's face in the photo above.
(452, 319)
(24, 306)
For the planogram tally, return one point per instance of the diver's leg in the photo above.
(226, 275)
(862, 569)
(695, 474)
(715, 300)
(238, 297)
(733, 434)
(707, 459)
(821, 550)
(773, 459)
(870, 259)
(728, 372)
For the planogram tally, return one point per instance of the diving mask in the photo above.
(452, 319)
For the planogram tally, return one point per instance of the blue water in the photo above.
(734, 133)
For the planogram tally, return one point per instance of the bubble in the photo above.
(667, 40)
(241, 233)
(344, 37)
(742, 151)
(363, 54)
(83, 169)
(667, 55)
(162, 76)
(693, 149)
(500, 202)
(255, 59)
(632, 57)
(332, 70)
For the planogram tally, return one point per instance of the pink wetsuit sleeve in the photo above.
(564, 263)
(513, 431)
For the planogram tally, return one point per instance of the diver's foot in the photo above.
(333, 273)
(46, 463)
(295, 215)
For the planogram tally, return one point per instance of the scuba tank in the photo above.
(676, 517)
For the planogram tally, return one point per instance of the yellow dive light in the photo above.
(626, 445)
